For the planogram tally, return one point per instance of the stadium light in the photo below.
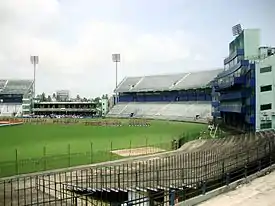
(116, 59)
(34, 61)
(237, 30)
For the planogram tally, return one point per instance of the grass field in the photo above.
(31, 148)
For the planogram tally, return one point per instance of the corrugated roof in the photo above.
(168, 82)
(14, 86)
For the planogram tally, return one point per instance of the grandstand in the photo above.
(242, 93)
(185, 96)
(14, 95)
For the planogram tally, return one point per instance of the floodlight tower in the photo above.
(34, 61)
(116, 59)
(237, 30)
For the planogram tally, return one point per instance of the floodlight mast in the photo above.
(34, 61)
(237, 30)
(116, 59)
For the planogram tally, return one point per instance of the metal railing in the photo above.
(159, 179)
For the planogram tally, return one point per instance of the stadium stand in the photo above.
(2, 84)
(173, 111)
(185, 96)
(150, 173)
(16, 86)
(12, 94)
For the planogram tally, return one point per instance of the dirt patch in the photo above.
(137, 151)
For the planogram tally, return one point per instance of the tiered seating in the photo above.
(117, 109)
(17, 87)
(195, 162)
(8, 110)
(2, 84)
(128, 83)
(174, 111)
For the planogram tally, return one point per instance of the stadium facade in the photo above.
(243, 93)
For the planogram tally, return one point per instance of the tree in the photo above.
(97, 100)
(104, 96)
(54, 96)
(43, 97)
(49, 99)
(38, 96)
(78, 98)
(58, 98)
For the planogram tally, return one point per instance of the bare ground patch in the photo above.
(137, 151)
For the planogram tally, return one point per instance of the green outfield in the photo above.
(37, 147)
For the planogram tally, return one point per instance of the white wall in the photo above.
(264, 79)
(251, 42)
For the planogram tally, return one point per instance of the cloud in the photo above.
(74, 53)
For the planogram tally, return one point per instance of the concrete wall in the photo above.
(264, 79)
(251, 42)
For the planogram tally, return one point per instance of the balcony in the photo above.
(234, 81)
(232, 108)
(241, 63)
(238, 52)
(232, 96)
(239, 80)
(216, 114)
(63, 109)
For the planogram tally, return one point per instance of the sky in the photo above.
(75, 39)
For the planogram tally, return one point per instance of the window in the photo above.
(265, 107)
(265, 69)
(267, 124)
(266, 88)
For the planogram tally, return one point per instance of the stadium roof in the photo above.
(14, 86)
(181, 81)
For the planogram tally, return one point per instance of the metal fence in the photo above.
(159, 179)
(71, 158)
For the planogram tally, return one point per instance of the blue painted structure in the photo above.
(167, 96)
(11, 98)
(233, 92)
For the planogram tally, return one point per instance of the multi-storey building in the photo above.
(243, 93)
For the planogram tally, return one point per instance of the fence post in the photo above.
(44, 157)
(111, 150)
(259, 165)
(146, 145)
(69, 155)
(130, 148)
(171, 197)
(227, 178)
(203, 187)
(91, 152)
(16, 162)
(245, 171)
